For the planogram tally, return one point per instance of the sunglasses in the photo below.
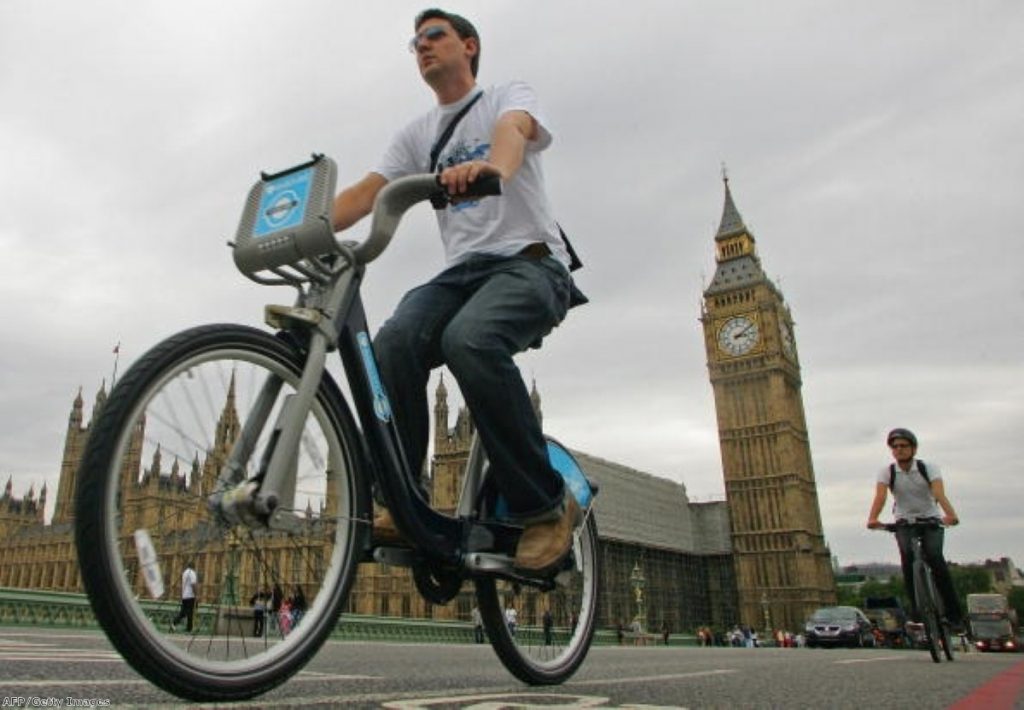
(433, 33)
(900, 446)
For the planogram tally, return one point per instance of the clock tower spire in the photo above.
(783, 568)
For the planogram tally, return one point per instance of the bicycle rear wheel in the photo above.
(554, 628)
(152, 460)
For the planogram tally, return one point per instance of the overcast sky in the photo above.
(874, 149)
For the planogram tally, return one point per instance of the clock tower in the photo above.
(783, 567)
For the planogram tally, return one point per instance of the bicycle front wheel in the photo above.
(947, 640)
(924, 591)
(540, 636)
(266, 599)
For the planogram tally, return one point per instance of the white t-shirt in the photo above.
(188, 583)
(911, 493)
(502, 225)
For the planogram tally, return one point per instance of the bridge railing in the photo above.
(65, 609)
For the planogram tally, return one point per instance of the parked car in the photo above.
(839, 626)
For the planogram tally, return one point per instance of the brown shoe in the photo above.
(543, 545)
(384, 530)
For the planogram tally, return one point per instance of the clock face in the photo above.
(786, 335)
(738, 335)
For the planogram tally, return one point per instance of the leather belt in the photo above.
(537, 250)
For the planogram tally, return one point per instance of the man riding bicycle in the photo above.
(918, 493)
(506, 284)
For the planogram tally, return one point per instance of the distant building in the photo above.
(645, 523)
(1005, 575)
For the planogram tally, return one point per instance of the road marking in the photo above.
(15, 650)
(68, 658)
(653, 678)
(83, 635)
(60, 682)
(871, 660)
(492, 701)
(1006, 690)
(316, 675)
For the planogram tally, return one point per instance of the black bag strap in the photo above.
(442, 141)
(920, 467)
(574, 261)
(446, 135)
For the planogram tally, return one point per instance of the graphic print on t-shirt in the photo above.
(463, 153)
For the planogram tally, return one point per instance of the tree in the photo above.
(970, 580)
(892, 587)
(1016, 600)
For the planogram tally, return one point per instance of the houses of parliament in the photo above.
(757, 558)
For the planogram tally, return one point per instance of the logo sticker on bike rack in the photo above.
(381, 405)
(283, 203)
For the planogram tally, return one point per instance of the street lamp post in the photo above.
(637, 581)
(767, 616)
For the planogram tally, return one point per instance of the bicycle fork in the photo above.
(268, 498)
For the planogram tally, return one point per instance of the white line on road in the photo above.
(653, 678)
(58, 682)
(870, 660)
(66, 659)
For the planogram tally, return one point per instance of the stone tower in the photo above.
(783, 567)
(74, 447)
(451, 449)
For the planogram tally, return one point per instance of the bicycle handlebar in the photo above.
(395, 199)
(923, 522)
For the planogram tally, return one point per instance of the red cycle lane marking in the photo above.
(1003, 691)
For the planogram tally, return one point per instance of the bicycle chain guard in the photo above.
(436, 585)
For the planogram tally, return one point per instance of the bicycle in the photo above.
(927, 598)
(277, 492)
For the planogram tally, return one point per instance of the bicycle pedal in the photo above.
(488, 562)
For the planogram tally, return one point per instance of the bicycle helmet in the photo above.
(900, 433)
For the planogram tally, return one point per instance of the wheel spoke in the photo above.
(187, 402)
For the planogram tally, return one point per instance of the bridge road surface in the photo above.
(39, 667)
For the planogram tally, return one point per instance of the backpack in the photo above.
(920, 467)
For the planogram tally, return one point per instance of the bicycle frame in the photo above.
(927, 597)
(294, 435)
(337, 295)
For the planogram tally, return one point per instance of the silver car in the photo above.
(839, 626)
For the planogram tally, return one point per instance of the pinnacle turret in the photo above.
(732, 222)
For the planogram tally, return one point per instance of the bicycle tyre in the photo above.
(187, 396)
(530, 653)
(947, 640)
(929, 613)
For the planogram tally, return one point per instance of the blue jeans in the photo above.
(473, 317)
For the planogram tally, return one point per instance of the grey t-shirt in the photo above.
(911, 493)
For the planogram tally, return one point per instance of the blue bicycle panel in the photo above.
(563, 462)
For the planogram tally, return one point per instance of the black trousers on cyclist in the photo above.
(474, 317)
(932, 539)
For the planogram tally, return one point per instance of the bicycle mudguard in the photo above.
(287, 218)
(570, 471)
(563, 462)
